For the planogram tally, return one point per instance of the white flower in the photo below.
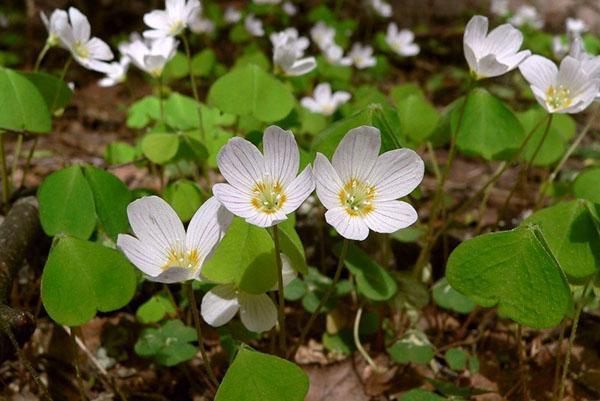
(559, 47)
(202, 24)
(568, 89)
(527, 15)
(401, 42)
(334, 54)
(323, 101)
(116, 72)
(232, 15)
(162, 249)
(288, 50)
(177, 16)
(362, 56)
(289, 8)
(589, 63)
(576, 26)
(151, 56)
(322, 35)
(499, 7)
(4, 21)
(359, 188)
(254, 25)
(263, 189)
(257, 312)
(75, 35)
(381, 8)
(493, 54)
(58, 20)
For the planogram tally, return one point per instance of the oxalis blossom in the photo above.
(401, 42)
(263, 189)
(257, 311)
(527, 15)
(151, 56)
(362, 56)
(177, 16)
(162, 249)
(493, 54)
(381, 8)
(75, 35)
(58, 20)
(499, 7)
(232, 15)
(589, 63)
(116, 73)
(254, 26)
(334, 55)
(359, 188)
(323, 35)
(323, 101)
(288, 50)
(568, 89)
(576, 26)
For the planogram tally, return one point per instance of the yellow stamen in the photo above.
(357, 197)
(558, 98)
(268, 196)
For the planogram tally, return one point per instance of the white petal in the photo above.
(310, 104)
(281, 154)
(539, 71)
(489, 67)
(340, 98)
(357, 153)
(234, 200)
(207, 228)
(219, 305)
(157, 19)
(258, 313)
(99, 50)
(571, 75)
(504, 40)
(322, 93)
(351, 227)
(298, 190)
(475, 33)
(145, 257)
(154, 34)
(241, 163)
(156, 224)
(514, 60)
(390, 216)
(396, 174)
(264, 220)
(470, 57)
(328, 183)
(174, 275)
(302, 66)
(80, 24)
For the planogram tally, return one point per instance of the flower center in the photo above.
(81, 50)
(558, 98)
(356, 197)
(268, 196)
(328, 108)
(178, 257)
(176, 27)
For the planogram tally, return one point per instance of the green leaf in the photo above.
(67, 204)
(169, 344)
(412, 293)
(587, 183)
(22, 106)
(555, 143)
(295, 290)
(513, 270)
(341, 342)
(413, 347)
(82, 277)
(176, 68)
(56, 93)
(488, 128)
(119, 153)
(251, 91)
(418, 118)
(456, 358)
(111, 198)
(245, 257)
(372, 280)
(142, 112)
(154, 309)
(399, 93)
(572, 236)
(419, 394)
(203, 63)
(254, 376)
(160, 148)
(291, 246)
(448, 298)
(181, 112)
(185, 197)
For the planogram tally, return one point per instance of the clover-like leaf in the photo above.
(160, 148)
(514, 271)
(413, 347)
(587, 183)
(185, 197)
(372, 280)
(169, 344)
(448, 298)
(56, 93)
(154, 309)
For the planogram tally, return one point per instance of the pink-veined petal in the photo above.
(219, 305)
(350, 227)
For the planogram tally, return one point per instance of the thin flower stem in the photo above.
(323, 301)
(539, 147)
(16, 156)
(40, 57)
(196, 315)
(561, 337)
(578, 310)
(521, 357)
(80, 385)
(4, 172)
(359, 345)
(160, 99)
(281, 299)
(560, 165)
(188, 54)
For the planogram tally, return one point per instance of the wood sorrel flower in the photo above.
(151, 56)
(401, 42)
(494, 54)
(116, 72)
(263, 189)
(75, 35)
(527, 15)
(288, 50)
(381, 8)
(58, 20)
(257, 311)
(566, 90)
(254, 26)
(324, 101)
(362, 56)
(163, 250)
(177, 16)
(322, 34)
(359, 188)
